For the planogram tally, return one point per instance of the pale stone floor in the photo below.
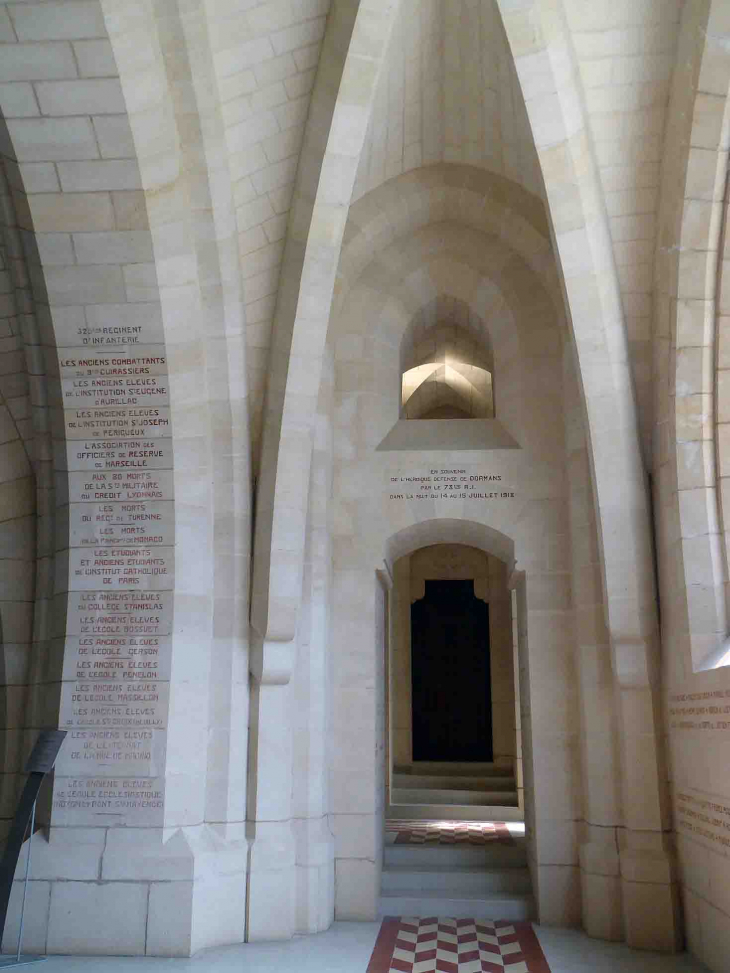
(347, 946)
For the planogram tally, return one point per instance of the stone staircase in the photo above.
(454, 792)
(460, 881)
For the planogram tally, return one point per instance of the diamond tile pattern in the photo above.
(450, 833)
(442, 945)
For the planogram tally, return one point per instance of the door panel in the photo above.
(452, 699)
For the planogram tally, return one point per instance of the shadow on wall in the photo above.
(21, 475)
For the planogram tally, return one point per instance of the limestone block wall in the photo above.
(448, 93)
(545, 62)
(131, 250)
(314, 747)
(265, 57)
(689, 463)
(546, 68)
(602, 830)
(625, 54)
(412, 260)
(177, 176)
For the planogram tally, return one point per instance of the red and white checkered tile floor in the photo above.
(449, 832)
(443, 945)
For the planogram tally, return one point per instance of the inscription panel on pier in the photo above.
(117, 651)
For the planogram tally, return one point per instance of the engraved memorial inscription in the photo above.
(117, 653)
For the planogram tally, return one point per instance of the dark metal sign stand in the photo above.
(40, 762)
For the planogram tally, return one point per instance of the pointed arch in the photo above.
(358, 36)
(443, 530)
(692, 310)
(546, 67)
(476, 198)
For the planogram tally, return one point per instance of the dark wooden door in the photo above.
(452, 699)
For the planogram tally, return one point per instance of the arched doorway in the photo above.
(453, 687)
(454, 817)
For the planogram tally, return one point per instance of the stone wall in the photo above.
(251, 207)
(689, 466)
(134, 459)
(451, 496)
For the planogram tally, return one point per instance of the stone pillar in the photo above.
(627, 875)
(312, 705)
(648, 867)
(120, 581)
(537, 30)
(401, 656)
(272, 855)
(357, 732)
(502, 662)
(602, 903)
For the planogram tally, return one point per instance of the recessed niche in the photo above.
(447, 395)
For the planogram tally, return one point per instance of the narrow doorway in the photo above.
(450, 672)
(454, 841)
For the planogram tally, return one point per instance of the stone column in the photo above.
(312, 702)
(502, 662)
(602, 901)
(401, 656)
(519, 769)
(538, 34)
(272, 855)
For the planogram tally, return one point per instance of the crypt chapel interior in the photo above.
(364, 453)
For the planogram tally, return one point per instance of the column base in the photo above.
(600, 877)
(651, 901)
(315, 870)
(357, 889)
(161, 893)
(272, 883)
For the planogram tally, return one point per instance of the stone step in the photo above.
(457, 880)
(402, 795)
(454, 812)
(492, 855)
(454, 770)
(515, 907)
(445, 782)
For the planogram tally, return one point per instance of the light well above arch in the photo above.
(446, 364)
